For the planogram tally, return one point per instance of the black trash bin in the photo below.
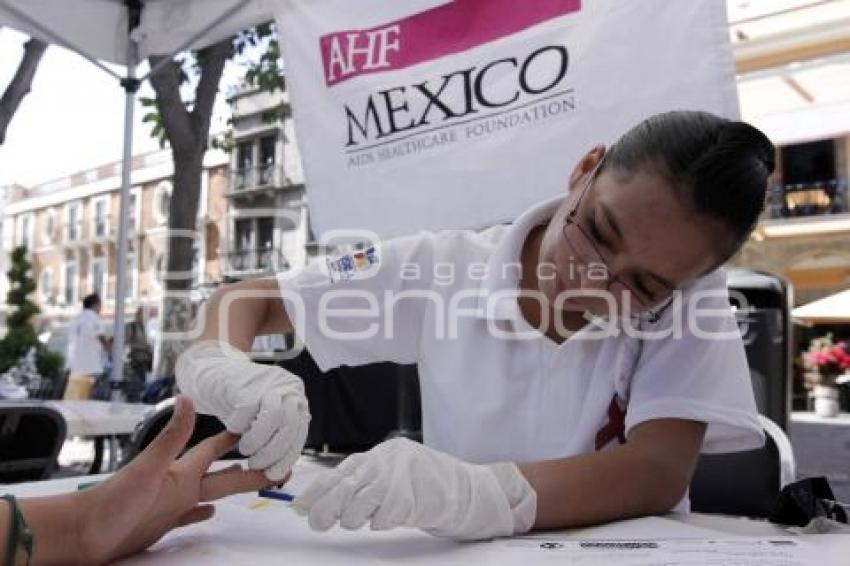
(762, 304)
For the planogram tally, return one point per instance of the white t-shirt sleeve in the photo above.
(362, 307)
(699, 373)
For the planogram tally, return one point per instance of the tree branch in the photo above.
(175, 117)
(21, 83)
(211, 60)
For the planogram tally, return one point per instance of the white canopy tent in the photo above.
(834, 309)
(125, 32)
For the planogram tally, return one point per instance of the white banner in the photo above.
(429, 114)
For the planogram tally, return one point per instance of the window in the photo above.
(159, 269)
(133, 212)
(265, 233)
(810, 181)
(72, 225)
(244, 156)
(46, 285)
(162, 201)
(267, 159)
(808, 162)
(70, 284)
(50, 226)
(100, 219)
(24, 235)
(98, 275)
(132, 274)
(253, 244)
(244, 233)
(267, 150)
(244, 165)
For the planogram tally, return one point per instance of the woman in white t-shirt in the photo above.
(572, 365)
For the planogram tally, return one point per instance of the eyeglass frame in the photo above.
(657, 309)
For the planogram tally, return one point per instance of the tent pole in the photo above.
(131, 86)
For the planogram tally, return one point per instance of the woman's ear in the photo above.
(586, 164)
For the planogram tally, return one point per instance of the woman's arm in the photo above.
(152, 495)
(265, 404)
(238, 313)
(647, 475)
(53, 521)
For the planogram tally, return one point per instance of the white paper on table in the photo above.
(750, 551)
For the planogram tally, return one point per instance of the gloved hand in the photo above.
(265, 404)
(403, 483)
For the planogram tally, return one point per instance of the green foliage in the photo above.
(152, 116)
(21, 336)
(224, 142)
(49, 363)
(266, 71)
(20, 286)
(257, 50)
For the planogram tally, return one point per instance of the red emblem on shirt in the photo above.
(616, 427)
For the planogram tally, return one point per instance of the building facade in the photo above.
(252, 217)
(70, 228)
(267, 227)
(793, 60)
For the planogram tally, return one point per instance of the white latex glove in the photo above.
(403, 483)
(265, 404)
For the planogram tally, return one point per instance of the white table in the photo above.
(103, 421)
(100, 418)
(250, 530)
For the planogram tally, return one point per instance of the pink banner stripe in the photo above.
(450, 28)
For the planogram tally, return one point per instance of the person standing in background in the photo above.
(139, 355)
(87, 348)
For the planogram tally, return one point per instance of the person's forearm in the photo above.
(54, 522)
(647, 475)
(238, 313)
(5, 526)
(599, 487)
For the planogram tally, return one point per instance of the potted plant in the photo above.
(829, 362)
(25, 363)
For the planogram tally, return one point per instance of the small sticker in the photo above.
(346, 267)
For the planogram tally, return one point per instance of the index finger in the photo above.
(228, 482)
(205, 453)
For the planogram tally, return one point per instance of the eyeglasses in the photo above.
(587, 247)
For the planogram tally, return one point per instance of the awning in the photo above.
(834, 309)
(98, 28)
(805, 124)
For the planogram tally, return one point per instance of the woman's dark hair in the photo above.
(720, 166)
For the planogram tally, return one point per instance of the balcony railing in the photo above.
(241, 179)
(257, 178)
(807, 199)
(266, 175)
(255, 260)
